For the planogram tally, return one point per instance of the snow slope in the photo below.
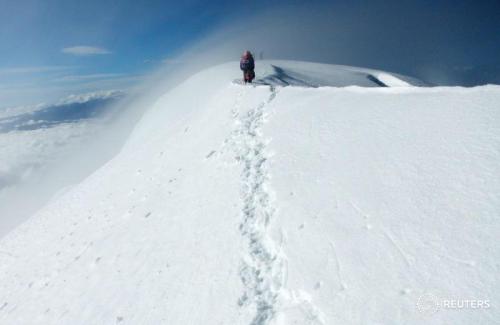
(305, 204)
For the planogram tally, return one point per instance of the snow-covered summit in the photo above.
(309, 74)
(276, 204)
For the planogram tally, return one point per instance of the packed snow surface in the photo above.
(288, 202)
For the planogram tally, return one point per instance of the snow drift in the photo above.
(290, 202)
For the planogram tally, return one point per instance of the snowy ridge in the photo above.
(275, 204)
(314, 75)
(392, 81)
(283, 77)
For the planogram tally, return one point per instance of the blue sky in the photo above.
(41, 42)
(49, 48)
(36, 31)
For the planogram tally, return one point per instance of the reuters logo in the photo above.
(428, 304)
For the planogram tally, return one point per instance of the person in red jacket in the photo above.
(247, 65)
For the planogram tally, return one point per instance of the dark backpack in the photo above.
(247, 64)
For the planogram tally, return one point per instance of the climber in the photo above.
(247, 65)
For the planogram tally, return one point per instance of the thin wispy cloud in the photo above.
(93, 82)
(91, 76)
(173, 61)
(33, 69)
(85, 50)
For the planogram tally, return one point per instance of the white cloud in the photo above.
(101, 94)
(85, 50)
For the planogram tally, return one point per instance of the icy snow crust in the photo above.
(270, 204)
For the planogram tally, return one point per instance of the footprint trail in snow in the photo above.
(263, 270)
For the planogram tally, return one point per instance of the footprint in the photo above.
(210, 154)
